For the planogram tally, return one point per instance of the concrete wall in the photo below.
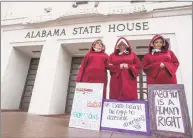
(14, 79)
(184, 51)
(6, 49)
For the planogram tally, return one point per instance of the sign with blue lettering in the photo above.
(87, 105)
(168, 111)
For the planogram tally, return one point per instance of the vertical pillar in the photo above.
(109, 41)
(50, 88)
(6, 50)
(14, 79)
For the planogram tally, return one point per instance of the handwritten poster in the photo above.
(168, 110)
(130, 116)
(87, 105)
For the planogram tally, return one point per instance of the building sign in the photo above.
(129, 117)
(168, 110)
(128, 27)
(46, 33)
(87, 105)
(127, 9)
(91, 29)
(84, 11)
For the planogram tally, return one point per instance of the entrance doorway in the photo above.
(76, 61)
(77, 50)
(33, 53)
(29, 84)
(141, 83)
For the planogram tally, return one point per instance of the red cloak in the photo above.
(151, 64)
(93, 68)
(123, 83)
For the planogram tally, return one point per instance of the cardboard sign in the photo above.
(87, 105)
(129, 116)
(168, 110)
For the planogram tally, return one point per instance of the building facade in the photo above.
(43, 44)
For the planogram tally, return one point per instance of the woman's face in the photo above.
(122, 47)
(98, 45)
(158, 43)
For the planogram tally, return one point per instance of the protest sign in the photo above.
(168, 110)
(87, 105)
(128, 116)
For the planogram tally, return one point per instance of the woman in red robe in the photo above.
(160, 64)
(124, 68)
(93, 67)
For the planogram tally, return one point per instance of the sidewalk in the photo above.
(24, 125)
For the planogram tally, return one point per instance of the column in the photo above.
(14, 79)
(51, 84)
(109, 41)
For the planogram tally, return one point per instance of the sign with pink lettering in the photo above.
(87, 105)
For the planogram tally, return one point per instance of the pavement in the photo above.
(25, 125)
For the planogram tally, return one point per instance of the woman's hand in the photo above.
(162, 65)
(121, 66)
(125, 66)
